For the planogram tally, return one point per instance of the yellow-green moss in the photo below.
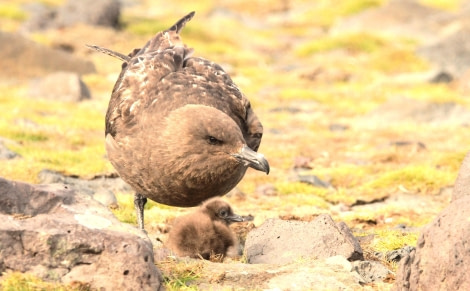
(414, 178)
(15, 281)
(388, 240)
(61, 136)
(443, 4)
(155, 213)
(450, 160)
(393, 61)
(434, 93)
(353, 43)
(326, 13)
(12, 11)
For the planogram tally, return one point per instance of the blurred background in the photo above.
(365, 103)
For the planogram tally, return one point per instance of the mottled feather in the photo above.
(163, 108)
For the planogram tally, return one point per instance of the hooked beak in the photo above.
(234, 218)
(252, 159)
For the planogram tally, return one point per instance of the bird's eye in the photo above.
(223, 213)
(213, 141)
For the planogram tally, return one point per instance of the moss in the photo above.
(15, 281)
(449, 161)
(435, 93)
(155, 213)
(12, 11)
(443, 4)
(143, 26)
(393, 61)
(388, 240)
(126, 211)
(414, 178)
(353, 43)
(326, 13)
(61, 136)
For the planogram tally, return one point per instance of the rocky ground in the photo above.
(366, 115)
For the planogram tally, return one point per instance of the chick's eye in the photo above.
(213, 141)
(223, 213)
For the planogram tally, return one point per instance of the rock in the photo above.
(441, 77)
(105, 197)
(441, 260)
(397, 255)
(58, 234)
(89, 187)
(60, 86)
(313, 180)
(89, 12)
(462, 84)
(371, 271)
(302, 162)
(405, 18)
(6, 153)
(266, 190)
(22, 58)
(334, 273)
(462, 184)
(450, 54)
(338, 127)
(279, 241)
(418, 111)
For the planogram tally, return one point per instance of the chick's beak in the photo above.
(234, 218)
(252, 159)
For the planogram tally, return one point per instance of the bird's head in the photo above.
(219, 210)
(210, 138)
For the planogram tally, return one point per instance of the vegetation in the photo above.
(300, 80)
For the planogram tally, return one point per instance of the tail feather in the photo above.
(109, 52)
(161, 41)
(168, 38)
(182, 22)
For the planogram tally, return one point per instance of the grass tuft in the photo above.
(179, 274)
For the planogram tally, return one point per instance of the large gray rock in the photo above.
(58, 234)
(441, 260)
(60, 86)
(280, 241)
(23, 58)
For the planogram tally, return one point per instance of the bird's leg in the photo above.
(139, 203)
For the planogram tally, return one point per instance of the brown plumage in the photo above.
(178, 130)
(205, 232)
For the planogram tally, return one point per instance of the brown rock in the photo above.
(60, 235)
(60, 86)
(23, 58)
(462, 184)
(441, 260)
(278, 241)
